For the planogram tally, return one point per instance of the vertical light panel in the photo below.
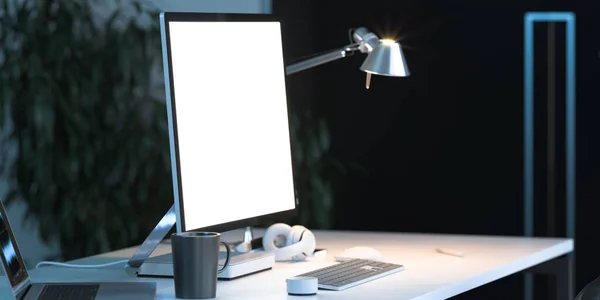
(569, 19)
(528, 126)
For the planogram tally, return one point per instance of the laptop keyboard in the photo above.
(69, 292)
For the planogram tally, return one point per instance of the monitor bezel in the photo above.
(165, 18)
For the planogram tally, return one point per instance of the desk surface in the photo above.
(428, 274)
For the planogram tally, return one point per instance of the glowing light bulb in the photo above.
(388, 42)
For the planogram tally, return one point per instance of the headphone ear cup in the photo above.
(273, 233)
(295, 234)
(301, 235)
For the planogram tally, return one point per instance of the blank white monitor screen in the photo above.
(231, 120)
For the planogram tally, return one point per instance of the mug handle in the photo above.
(226, 258)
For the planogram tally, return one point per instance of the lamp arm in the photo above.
(321, 59)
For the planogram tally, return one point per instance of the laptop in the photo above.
(24, 289)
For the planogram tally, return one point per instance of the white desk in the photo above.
(428, 274)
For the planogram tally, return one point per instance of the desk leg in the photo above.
(565, 287)
(562, 270)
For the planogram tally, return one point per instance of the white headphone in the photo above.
(295, 242)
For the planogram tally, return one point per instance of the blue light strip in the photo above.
(528, 133)
(528, 128)
(570, 117)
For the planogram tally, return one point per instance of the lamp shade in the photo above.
(386, 59)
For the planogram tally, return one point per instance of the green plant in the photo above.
(92, 157)
(310, 144)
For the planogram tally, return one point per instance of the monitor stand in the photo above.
(240, 264)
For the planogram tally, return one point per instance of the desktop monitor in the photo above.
(228, 120)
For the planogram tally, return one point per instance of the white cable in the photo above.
(41, 263)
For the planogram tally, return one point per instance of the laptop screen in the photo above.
(12, 262)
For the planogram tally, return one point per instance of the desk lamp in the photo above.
(384, 57)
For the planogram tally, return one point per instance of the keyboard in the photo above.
(351, 273)
(69, 292)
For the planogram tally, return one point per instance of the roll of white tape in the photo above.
(302, 286)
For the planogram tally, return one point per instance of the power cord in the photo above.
(41, 263)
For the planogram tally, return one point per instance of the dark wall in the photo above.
(443, 147)
(300, 22)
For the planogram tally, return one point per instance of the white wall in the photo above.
(26, 233)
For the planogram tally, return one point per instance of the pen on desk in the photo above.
(449, 252)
